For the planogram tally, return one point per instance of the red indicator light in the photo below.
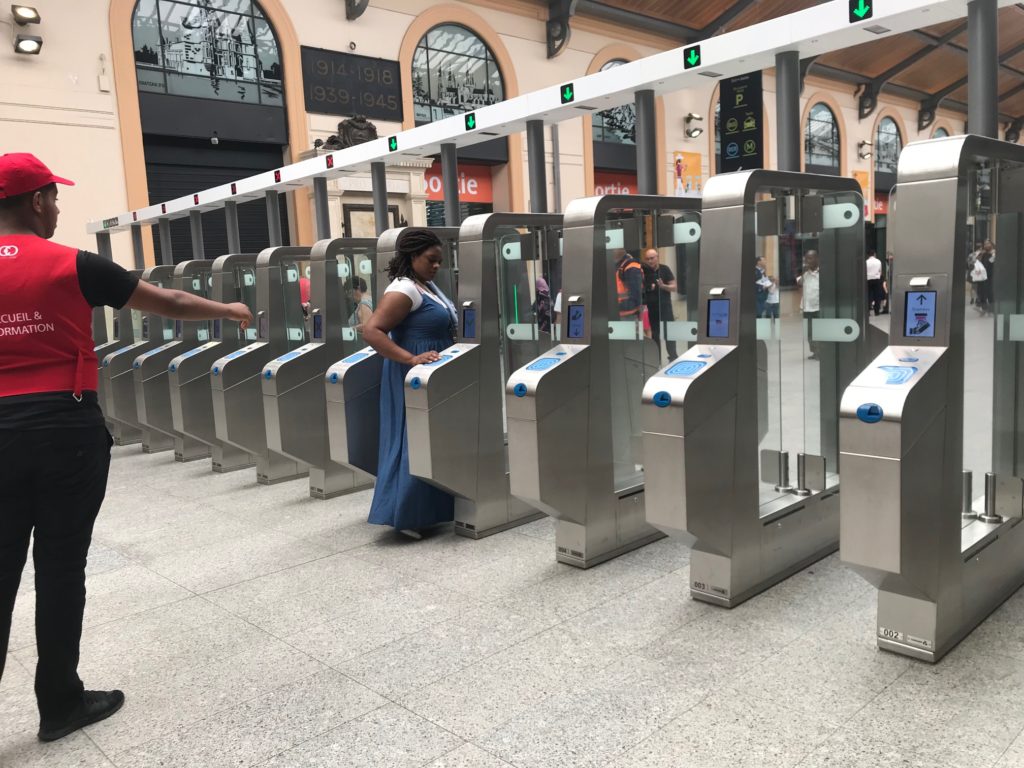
(234, 188)
(330, 161)
(135, 215)
(195, 199)
(163, 207)
(277, 177)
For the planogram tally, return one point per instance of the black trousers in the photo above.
(876, 295)
(658, 313)
(52, 483)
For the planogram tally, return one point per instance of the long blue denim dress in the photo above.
(399, 499)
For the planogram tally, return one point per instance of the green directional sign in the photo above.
(393, 144)
(568, 93)
(471, 121)
(691, 57)
(861, 9)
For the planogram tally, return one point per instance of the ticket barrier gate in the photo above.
(574, 412)
(152, 392)
(944, 400)
(123, 334)
(709, 413)
(234, 279)
(118, 375)
(235, 378)
(454, 407)
(353, 383)
(294, 403)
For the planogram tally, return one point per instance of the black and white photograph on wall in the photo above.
(209, 49)
(453, 71)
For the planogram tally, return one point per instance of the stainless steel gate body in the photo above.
(353, 383)
(454, 408)
(235, 378)
(234, 279)
(716, 445)
(294, 402)
(942, 557)
(123, 335)
(152, 393)
(574, 412)
(119, 377)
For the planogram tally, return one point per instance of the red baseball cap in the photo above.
(21, 172)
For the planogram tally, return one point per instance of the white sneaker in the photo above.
(416, 535)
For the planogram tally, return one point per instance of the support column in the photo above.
(103, 245)
(450, 184)
(787, 108)
(379, 180)
(646, 144)
(536, 166)
(983, 68)
(231, 220)
(556, 168)
(274, 217)
(138, 252)
(163, 227)
(321, 211)
(195, 223)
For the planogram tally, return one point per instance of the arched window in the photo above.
(940, 133)
(821, 141)
(618, 124)
(453, 71)
(208, 49)
(888, 145)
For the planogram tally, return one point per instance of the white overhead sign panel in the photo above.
(814, 31)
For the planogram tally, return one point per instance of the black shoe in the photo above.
(95, 706)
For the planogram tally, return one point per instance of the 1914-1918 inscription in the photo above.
(345, 84)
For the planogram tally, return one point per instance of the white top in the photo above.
(407, 287)
(874, 268)
(773, 293)
(810, 301)
(558, 302)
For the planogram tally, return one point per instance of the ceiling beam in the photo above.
(726, 17)
(1003, 58)
(926, 112)
(636, 20)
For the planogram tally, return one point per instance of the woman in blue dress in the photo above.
(412, 324)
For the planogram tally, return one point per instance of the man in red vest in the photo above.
(54, 448)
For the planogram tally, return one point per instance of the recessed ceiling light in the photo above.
(25, 14)
(29, 45)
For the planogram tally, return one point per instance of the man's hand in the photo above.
(240, 313)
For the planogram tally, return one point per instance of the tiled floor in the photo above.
(254, 626)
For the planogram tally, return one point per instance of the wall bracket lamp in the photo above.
(864, 149)
(693, 131)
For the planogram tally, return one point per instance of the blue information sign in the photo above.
(919, 317)
(718, 318)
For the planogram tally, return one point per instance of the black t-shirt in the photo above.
(102, 283)
(651, 277)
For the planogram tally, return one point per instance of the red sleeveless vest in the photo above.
(46, 342)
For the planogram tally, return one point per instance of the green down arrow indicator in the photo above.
(392, 144)
(860, 10)
(568, 94)
(691, 57)
(471, 121)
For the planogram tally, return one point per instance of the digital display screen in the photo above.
(577, 314)
(178, 325)
(264, 330)
(919, 317)
(216, 329)
(318, 326)
(469, 323)
(718, 318)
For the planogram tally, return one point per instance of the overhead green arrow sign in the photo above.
(860, 10)
(471, 121)
(568, 94)
(393, 144)
(691, 57)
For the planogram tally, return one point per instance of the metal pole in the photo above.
(450, 184)
(138, 252)
(556, 168)
(646, 144)
(231, 220)
(163, 227)
(274, 217)
(787, 107)
(103, 245)
(982, 68)
(537, 167)
(379, 179)
(195, 223)
(321, 210)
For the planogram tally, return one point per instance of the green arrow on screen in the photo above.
(693, 58)
(567, 94)
(393, 143)
(470, 121)
(860, 10)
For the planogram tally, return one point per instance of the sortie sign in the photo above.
(474, 183)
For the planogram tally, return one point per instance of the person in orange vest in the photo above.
(629, 285)
(54, 447)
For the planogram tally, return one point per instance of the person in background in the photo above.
(986, 288)
(362, 307)
(629, 285)
(972, 257)
(54, 446)
(876, 290)
(762, 284)
(413, 323)
(810, 296)
(771, 303)
(659, 282)
(542, 306)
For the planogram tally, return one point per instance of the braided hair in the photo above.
(411, 243)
